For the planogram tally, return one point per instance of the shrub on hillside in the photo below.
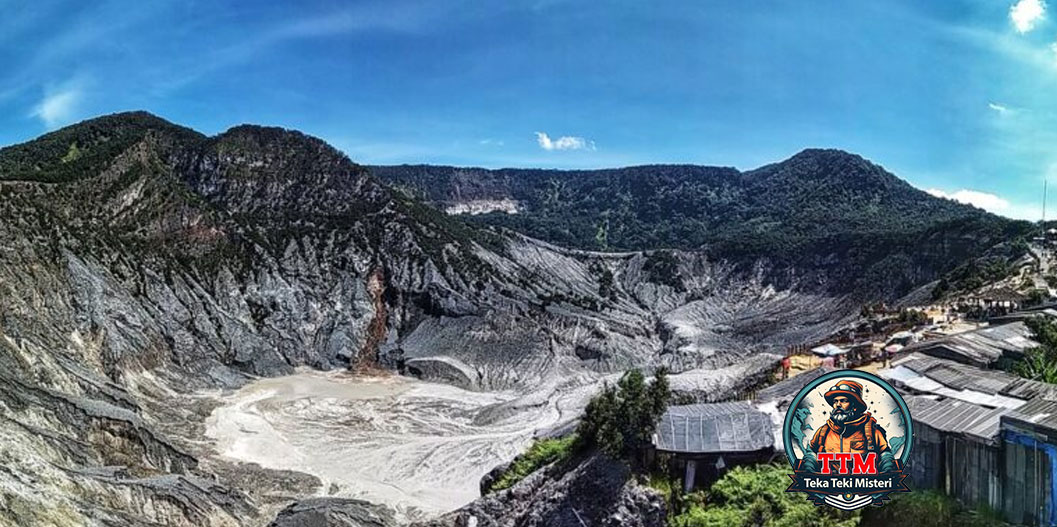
(543, 452)
(621, 420)
(756, 496)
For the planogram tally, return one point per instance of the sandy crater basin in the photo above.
(418, 447)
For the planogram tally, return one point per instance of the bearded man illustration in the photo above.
(850, 428)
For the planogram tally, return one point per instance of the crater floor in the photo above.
(418, 447)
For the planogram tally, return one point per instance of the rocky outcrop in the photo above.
(333, 512)
(161, 263)
(368, 358)
(825, 217)
(598, 491)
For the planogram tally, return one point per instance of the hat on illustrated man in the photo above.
(850, 389)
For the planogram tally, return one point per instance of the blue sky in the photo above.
(958, 97)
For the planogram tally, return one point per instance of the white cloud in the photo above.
(991, 203)
(1000, 108)
(983, 200)
(58, 107)
(1026, 13)
(491, 142)
(564, 142)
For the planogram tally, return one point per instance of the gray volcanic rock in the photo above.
(492, 476)
(333, 512)
(822, 216)
(597, 491)
(156, 264)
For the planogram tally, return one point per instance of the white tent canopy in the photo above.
(828, 350)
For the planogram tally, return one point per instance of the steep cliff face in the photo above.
(144, 263)
(597, 491)
(849, 223)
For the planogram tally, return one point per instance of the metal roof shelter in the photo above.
(1029, 475)
(957, 448)
(1040, 412)
(714, 429)
(980, 347)
(991, 388)
(784, 391)
(1019, 316)
(828, 350)
(1001, 294)
(958, 417)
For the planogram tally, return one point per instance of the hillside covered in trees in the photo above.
(822, 210)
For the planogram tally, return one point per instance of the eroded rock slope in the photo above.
(144, 264)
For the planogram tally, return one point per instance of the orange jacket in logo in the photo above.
(860, 435)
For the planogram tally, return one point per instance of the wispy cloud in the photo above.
(565, 142)
(401, 17)
(991, 203)
(983, 200)
(1025, 14)
(396, 17)
(491, 142)
(59, 106)
(1000, 108)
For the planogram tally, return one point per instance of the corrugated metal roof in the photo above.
(948, 376)
(714, 428)
(788, 388)
(954, 416)
(710, 409)
(980, 346)
(924, 374)
(1029, 389)
(1042, 412)
(988, 426)
(978, 379)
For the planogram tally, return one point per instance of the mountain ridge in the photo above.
(820, 209)
(149, 267)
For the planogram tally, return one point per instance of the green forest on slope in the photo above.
(821, 209)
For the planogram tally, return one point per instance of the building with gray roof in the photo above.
(704, 439)
(983, 436)
(982, 347)
(918, 373)
(785, 390)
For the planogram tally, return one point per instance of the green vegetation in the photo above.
(621, 420)
(73, 154)
(84, 149)
(756, 496)
(1040, 363)
(662, 267)
(912, 317)
(1036, 296)
(1051, 280)
(543, 452)
(821, 209)
(606, 287)
(662, 483)
(928, 508)
(974, 274)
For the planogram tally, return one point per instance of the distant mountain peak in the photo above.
(821, 158)
(82, 149)
(134, 121)
(825, 152)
